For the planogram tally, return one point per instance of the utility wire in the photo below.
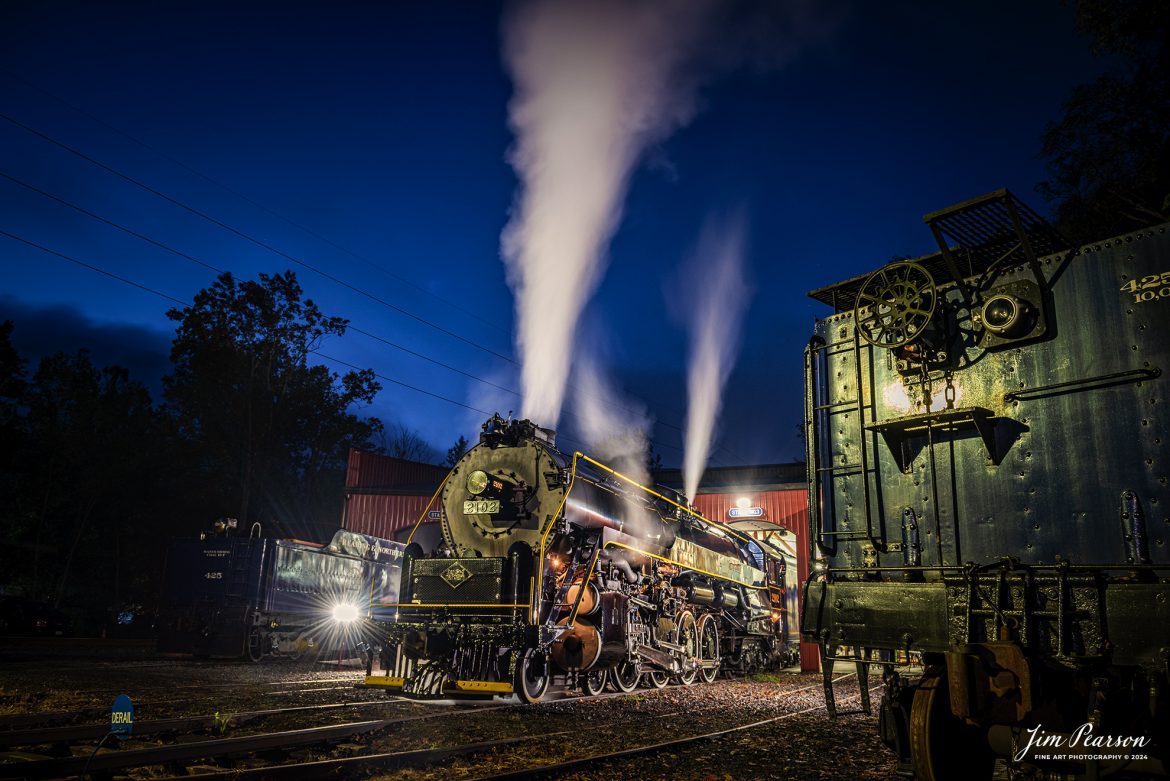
(350, 327)
(207, 265)
(257, 204)
(276, 251)
(255, 241)
(95, 268)
(181, 302)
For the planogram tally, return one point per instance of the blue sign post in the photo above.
(122, 717)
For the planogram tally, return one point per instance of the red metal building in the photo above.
(384, 496)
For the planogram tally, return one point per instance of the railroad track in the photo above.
(592, 760)
(45, 767)
(276, 746)
(64, 717)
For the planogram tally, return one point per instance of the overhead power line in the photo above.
(280, 253)
(181, 302)
(257, 204)
(207, 265)
(257, 242)
(91, 267)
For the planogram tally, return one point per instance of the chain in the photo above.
(949, 391)
(927, 386)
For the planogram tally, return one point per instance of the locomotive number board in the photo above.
(481, 506)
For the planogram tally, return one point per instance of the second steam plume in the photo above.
(714, 280)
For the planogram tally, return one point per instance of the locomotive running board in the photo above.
(384, 681)
(471, 687)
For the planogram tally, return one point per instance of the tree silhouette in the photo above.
(1109, 154)
(266, 427)
(456, 451)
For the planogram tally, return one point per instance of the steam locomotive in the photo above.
(253, 597)
(557, 569)
(987, 434)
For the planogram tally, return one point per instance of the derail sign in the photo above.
(122, 717)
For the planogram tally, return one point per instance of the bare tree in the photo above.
(402, 442)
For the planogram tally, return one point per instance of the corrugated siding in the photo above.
(371, 470)
(788, 508)
(381, 515)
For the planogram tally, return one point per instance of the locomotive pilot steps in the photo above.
(557, 567)
(987, 433)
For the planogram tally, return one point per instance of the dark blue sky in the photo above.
(382, 128)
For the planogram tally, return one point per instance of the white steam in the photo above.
(596, 83)
(715, 283)
(616, 430)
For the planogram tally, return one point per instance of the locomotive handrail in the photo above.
(762, 585)
(579, 456)
(427, 509)
(668, 500)
(1085, 383)
(811, 451)
(538, 582)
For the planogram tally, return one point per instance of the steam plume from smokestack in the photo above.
(720, 298)
(615, 429)
(595, 84)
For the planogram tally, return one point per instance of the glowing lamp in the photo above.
(345, 614)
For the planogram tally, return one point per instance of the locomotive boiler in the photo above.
(987, 435)
(555, 567)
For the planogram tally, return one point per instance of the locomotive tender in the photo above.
(257, 596)
(987, 435)
(557, 567)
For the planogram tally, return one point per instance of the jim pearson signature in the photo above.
(1081, 738)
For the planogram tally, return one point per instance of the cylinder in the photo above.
(578, 648)
(589, 600)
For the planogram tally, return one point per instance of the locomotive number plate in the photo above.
(481, 507)
(1152, 287)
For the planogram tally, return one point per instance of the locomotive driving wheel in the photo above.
(688, 638)
(895, 304)
(657, 679)
(532, 675)
(593, 682)
(625, 676)
(942, 746)
(708, 648)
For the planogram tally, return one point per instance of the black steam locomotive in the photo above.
(557, 567)
(252, 597)
(987, 434)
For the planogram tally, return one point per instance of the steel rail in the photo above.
(246, 744)
(72, 734)
(61, 717)
(371, 762)
(560, 768)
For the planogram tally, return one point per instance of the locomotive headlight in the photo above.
(345, 614)
(477, 482)
(1004, 315)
